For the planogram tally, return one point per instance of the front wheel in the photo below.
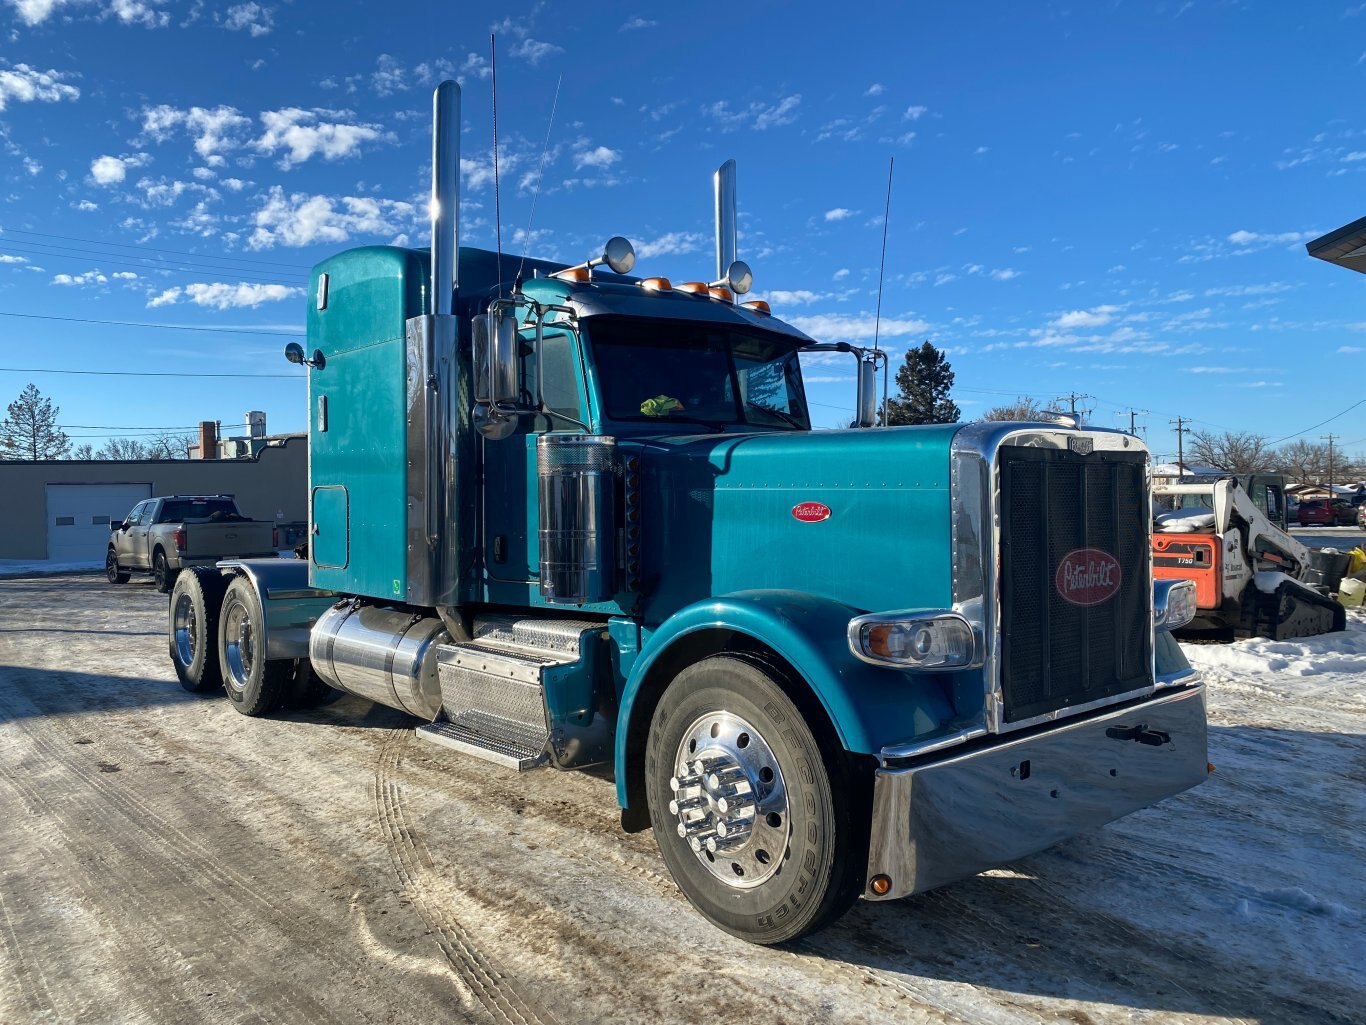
(765, 835)
(254, 685)
(113, 571)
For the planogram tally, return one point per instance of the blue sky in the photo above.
(1108, 198)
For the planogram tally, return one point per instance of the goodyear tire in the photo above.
(254, 685)
(113, 572)
(193, 628)
(785, 858)
(162, 573)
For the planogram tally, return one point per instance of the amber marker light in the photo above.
(881, 885)
(575, 274)
(695, 287)
(657, 285)
(1209, 766)
(724, 294)
(758, 306)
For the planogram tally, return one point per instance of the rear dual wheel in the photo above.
(254, 685)
(765, 834)
(193, 628)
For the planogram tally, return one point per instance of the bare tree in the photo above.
(30, 430)
(1303, 462)
(1232, 451)
(170, 445)
(123, 448)
(84, 450)
(1026, 407)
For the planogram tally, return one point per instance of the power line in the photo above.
(103, 259)
(142, 373)
(163, 327)
(153, 249)
(1319, 424)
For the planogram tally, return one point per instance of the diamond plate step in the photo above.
(489, 738)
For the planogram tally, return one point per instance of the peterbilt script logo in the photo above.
(811, 512)
(1087, 576)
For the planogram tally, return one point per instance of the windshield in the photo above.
(689, 372)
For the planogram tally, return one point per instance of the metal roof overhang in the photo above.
(1345, 247)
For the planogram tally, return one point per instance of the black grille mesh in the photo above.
(1056, 654)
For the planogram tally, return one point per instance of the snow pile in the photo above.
(1327, 654)
(1185, 521)
(11, 568)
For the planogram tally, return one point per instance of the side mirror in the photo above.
(866, 414)
(294, 352)
(495, 373)
(502, 332)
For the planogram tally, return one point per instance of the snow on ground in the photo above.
(13, 568)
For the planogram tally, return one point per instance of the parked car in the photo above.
(162, 536)
(1319, 512)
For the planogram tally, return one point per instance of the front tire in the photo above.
(193, 629)
(254, 685)
(112, 571)
(765, 835)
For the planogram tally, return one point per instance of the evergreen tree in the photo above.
(923, 382)
(30, 430)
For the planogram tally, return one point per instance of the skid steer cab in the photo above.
(564, 516)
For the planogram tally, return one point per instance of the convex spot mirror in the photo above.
(739, 278)
(619, 255)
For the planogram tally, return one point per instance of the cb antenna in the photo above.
(882, 267)
(497, 202)
(526, 242)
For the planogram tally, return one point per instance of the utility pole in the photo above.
(1072, 398)
(1330, 438)
(1181, 429)
(1133, 427)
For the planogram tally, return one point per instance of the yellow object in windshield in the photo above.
(661, 405)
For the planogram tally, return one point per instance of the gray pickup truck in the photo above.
(162, 536)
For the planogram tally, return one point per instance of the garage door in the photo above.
(78, 517)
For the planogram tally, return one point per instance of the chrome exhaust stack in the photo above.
(445, 203)
(731, 273)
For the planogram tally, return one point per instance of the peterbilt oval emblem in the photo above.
(811, 512)
(1087, 576)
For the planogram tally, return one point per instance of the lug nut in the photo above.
(687, 804)
(701, 829)
(734, 803)
(677, 783)
(722, 777)
(733, 830)
(722, 846)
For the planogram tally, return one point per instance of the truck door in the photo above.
(137, 535)
(511, 509)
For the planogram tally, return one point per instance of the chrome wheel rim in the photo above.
(239, 645)
(730, 800)
(184, 630)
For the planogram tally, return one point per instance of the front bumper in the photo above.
(949, 819)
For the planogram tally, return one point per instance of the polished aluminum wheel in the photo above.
(184, 629)
(730, 800)
(239, 640)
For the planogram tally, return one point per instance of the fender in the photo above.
(289, 606)
(869, 706)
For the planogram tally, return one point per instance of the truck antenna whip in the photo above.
(882, 267)
(497, 200)
(526, 241)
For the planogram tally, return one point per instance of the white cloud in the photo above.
(840, 274)
(112, 170)
(130, 12)
(839, 214)
(135, 12)
(477, 66)
(1350, 349)
(220, 295)
(829, 327)
(1271, 288)
(1005, 273)
(637, 23)
(24, 84)
(876, 89)
(9, 258)
(124, 275)
(980, 150)
(299, 219)
(215, 130)
(1097, 316)
(533, 51)
(672, 244)
(795, 297)
(915, 113)
(757, 115)
(303, 134)
(1247, 238)
(90, 277)
(86, 205)
(601, 156)
(251, 17)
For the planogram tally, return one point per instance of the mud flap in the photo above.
(1290, 611)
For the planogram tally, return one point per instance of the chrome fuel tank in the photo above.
(385, 655)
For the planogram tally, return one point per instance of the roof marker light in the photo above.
(724, 294)
(695, 287)
(657, 285)
(758, 306)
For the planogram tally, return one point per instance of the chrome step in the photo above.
(493, 700)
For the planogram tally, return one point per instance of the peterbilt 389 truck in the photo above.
(567, 516)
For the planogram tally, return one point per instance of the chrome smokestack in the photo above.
(725, 218)
(445, 196)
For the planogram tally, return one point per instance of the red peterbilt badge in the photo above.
(811, 512)
(1087, 576)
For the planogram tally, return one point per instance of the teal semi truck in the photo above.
(567, 516)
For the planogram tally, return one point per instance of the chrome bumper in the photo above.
(950, 819)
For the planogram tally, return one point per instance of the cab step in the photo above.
(493, 688)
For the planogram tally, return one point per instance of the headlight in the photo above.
(1173, 603)
(914, 640)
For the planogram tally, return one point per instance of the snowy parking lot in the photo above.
(164, 859)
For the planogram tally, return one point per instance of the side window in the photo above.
(135, 517)
(559, 362)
